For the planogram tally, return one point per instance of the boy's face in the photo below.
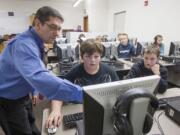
(150, 60)
(159, 40)
(91, 62)
(123, 39)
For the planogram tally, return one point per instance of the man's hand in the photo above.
(54, 119)
(156, 69)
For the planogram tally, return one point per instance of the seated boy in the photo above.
(125, 49)
(150, 66)
(90, 71)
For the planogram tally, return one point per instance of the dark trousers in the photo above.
(16, 117)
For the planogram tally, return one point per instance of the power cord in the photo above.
(158, 123)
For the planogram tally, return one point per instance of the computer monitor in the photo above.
(110, 49)
(174, 49)
(132, 41)
(61, 40)
(114, 47)
(111, 39)
(99, 100)
(66, 52)
(106, 49)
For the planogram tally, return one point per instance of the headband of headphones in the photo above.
(124, 101)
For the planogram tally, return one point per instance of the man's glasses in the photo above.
(53, 27)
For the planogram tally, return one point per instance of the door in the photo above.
(119, 22)
(85, 24)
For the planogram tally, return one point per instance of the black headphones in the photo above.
(122, 124)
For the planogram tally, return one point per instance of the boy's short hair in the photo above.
(91, 46)
(151, 49)
(122, 34)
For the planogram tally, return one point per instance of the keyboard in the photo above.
(69, 121)
(163, 101)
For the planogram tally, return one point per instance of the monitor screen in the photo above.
(110, 49)
(61, 40)
(174, 49)
(99, 100)
(66, 52)
(106, 49)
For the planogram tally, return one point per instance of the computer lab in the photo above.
(89, 67)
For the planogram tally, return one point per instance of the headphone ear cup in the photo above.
(122, 126)
(147, 123)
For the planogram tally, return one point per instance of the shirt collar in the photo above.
(37, 37)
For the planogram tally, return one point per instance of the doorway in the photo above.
(85, 23)
(119, 22)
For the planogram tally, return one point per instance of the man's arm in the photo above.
(32, 69)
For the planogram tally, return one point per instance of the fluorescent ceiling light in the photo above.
(77, 3)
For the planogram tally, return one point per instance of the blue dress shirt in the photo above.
(22, 71)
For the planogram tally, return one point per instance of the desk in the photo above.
(68, 109)
(168, 126)
(165, 63)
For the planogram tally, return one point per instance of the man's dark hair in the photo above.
(44, 13)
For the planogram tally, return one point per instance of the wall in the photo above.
(97, 13)
(24, 8)
(159, 17)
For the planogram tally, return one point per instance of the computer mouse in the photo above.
(52, 130)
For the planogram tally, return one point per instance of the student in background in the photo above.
(81, 38)
(158, 43)
(150, 66)
(125, 49)
(99, 38)
(90, 72)
(104, 38)
(79, 29)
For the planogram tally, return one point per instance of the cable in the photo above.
(158, 123)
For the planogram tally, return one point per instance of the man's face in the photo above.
(50, 30)
(123, 39)
(150, 60)
(91, 62)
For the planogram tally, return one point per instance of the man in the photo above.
(150, 66)
(22, 71)
(90, 72)
(125, 49)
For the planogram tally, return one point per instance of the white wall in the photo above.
(97, 13)
(24, 8)
(159, 17)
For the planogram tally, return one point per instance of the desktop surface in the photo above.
(168, 126)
